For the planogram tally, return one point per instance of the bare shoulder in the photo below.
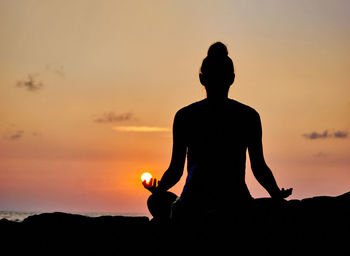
(243, 108)
(190, 109)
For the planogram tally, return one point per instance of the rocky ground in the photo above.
(312, 226)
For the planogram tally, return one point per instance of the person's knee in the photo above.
(159, 204)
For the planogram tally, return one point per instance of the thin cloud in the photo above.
(56, 69)
(36, 134)
(325, 135)
(111, 117)
(15, 135)
(141, 129)
(341, 134)
(19, 134)
(316, 135)
(31, 83)
(321, 155)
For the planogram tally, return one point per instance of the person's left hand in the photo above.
(286, 192)
(152, 185)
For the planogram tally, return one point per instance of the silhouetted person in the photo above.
(215, 133)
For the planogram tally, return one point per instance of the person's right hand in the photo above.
(284, 193)
(152, 185)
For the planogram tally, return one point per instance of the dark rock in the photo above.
(312, 226)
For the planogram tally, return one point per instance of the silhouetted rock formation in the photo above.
(312, 226)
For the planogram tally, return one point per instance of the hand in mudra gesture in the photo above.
(151, 185)
(286, 192)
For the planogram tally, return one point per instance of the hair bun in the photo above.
(217, 50)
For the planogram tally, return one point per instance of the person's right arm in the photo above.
(173, 174)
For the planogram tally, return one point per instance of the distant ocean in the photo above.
(20, 216)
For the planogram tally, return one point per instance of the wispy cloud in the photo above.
(324, 135)
(316, 135)
(321, 155)
(111, 117)
(141, 129)
(341, 134)
(31, 83)
(36, 134)
(14, 135)
(19, 134)
(55, 69)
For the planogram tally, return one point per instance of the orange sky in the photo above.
(88, 91)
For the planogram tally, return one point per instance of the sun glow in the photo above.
(140, 129)
(146, 177)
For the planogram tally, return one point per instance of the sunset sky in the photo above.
(89, 89)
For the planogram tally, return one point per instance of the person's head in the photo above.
(217, 72)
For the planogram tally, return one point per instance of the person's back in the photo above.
(217, 135)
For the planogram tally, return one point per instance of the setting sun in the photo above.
(146, 176)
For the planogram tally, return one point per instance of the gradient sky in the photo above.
(89, 89)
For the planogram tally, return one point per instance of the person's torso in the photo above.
(217, 138)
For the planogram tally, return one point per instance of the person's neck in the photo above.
(217, 98)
